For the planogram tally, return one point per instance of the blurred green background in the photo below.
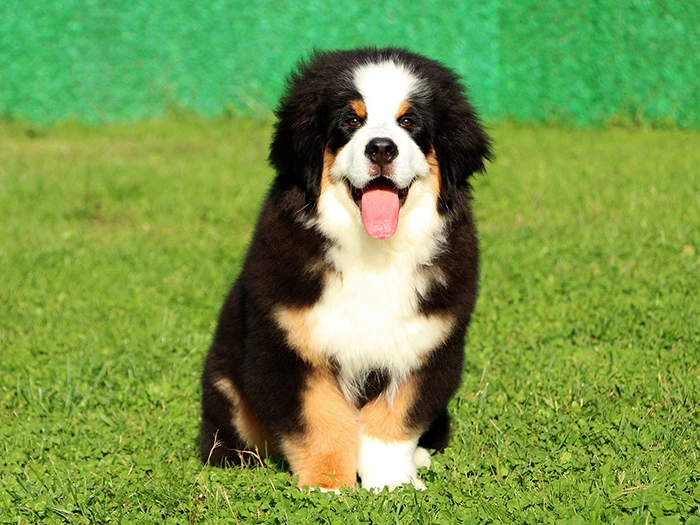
(580, 62)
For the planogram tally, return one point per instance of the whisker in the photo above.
(310, 203)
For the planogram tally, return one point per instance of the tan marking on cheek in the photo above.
(328, 160)
(243, 419)
(388, 419)
(434, 175)
(404, 106)
(358, 106)
(326, 453)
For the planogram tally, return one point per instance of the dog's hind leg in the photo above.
(230, 432)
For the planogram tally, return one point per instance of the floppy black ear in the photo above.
(298, 142)
(461, 147)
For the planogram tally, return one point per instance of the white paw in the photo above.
(418, 484)
(388, 464)
(421, 457)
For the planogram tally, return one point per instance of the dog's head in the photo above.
(373, 124)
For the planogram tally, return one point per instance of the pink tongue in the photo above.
(380, 211)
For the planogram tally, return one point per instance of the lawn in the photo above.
(581, 391)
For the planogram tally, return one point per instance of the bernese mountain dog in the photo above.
(342, 340)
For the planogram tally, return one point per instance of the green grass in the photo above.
(582, 377)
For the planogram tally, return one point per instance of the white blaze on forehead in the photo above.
(384, 87)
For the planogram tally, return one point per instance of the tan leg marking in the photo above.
(326, 453)
(387, 419)
(328, 160)
(243, 419)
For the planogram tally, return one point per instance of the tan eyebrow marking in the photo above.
(358, 106)
(403, 108)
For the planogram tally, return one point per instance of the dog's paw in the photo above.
(376, 486)
(389, 464)
(421, 457)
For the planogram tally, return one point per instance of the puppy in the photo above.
(341, 341)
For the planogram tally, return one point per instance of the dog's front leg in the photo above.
(387, 453)
(323, 452)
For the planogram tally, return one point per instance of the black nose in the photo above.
(381, 150)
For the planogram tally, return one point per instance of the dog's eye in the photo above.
(407, 122)
(353, 122)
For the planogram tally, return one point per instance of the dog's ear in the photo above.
(298, 143)
(461, 146)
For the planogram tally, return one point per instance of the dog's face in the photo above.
(380, 134)
(378, 146)
(378, 130)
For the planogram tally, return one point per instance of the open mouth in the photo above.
(379, 202)
(382, 183)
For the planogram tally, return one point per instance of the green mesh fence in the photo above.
(579, 61)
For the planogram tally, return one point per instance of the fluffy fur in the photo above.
(335, 348)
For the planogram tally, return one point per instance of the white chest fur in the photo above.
(368, 314)
(368, 318)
